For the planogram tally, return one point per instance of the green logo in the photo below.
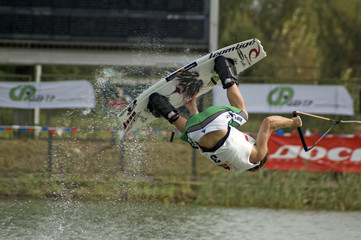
(22, 93)
(280, 96)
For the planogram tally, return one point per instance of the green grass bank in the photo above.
(156, 170)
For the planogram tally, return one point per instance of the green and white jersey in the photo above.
(233, 151)
(202, 119)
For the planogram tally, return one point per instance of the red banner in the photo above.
(334, 153)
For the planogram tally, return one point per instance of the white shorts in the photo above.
(234, 153)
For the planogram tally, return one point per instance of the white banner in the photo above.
(64, 94)
(280, 98)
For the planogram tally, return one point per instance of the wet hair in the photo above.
(188, 84)
(260, 165)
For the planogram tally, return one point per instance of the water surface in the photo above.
(99, 220)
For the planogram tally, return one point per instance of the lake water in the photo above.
(103, 220)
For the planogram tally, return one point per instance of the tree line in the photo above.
(319, 39)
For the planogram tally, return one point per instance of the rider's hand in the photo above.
(191, 105)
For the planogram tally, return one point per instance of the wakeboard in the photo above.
(197, 77)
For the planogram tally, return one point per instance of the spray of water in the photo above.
(95, 155)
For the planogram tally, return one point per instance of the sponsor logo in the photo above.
(180, 71)
(129, 121)
(142, 118)
(22, 93)
(219, 163)
(336, 154)
(132, 119)
(281, 96)
(213, 81)
(28, 93)
(244, 59)
(131, 107)
(128, 110)
(238, 46)
(255, 51)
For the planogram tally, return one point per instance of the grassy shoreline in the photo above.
(159, 171)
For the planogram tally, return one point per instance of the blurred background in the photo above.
(122, 47)
(135, 43)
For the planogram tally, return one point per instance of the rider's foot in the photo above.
(159, 106)
(226, 70)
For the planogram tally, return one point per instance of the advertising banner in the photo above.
(116, 96)
(334, 153)
(281, 98)
(64, 94)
